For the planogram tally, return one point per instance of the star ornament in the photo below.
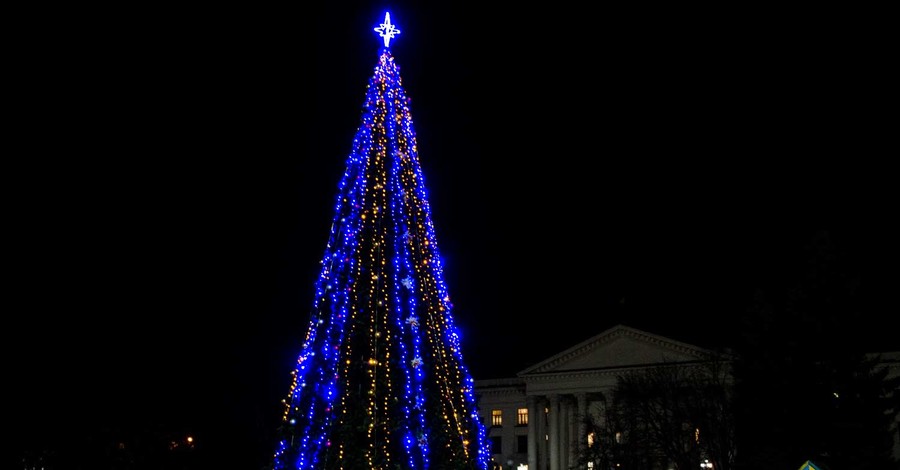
(386, 30)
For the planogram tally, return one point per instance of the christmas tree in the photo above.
(380, 382)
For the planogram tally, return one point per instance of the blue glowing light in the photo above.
(382, 349)
(386, 30)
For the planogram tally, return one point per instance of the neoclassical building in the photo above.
(533, 419)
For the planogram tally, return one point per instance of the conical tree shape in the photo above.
(380, 382)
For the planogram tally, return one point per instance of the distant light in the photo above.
(190, 440)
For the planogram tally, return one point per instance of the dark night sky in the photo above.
(171, 176)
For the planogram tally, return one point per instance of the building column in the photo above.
(581, 415)
(543, 443)
(533, 422)
(571, 436)
(554, 432)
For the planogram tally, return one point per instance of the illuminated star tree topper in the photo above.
(387, 30)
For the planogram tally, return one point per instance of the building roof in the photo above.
(620, 347)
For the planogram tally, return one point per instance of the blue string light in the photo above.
(381, 373)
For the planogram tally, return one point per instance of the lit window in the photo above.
(496, 418)
(618, 438)
(522, 416)
(591, 438)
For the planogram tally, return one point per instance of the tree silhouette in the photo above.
(802, 392)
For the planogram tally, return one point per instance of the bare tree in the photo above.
(674, 414)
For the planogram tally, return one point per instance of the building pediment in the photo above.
(616, 348)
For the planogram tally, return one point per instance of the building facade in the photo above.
(534, 419)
